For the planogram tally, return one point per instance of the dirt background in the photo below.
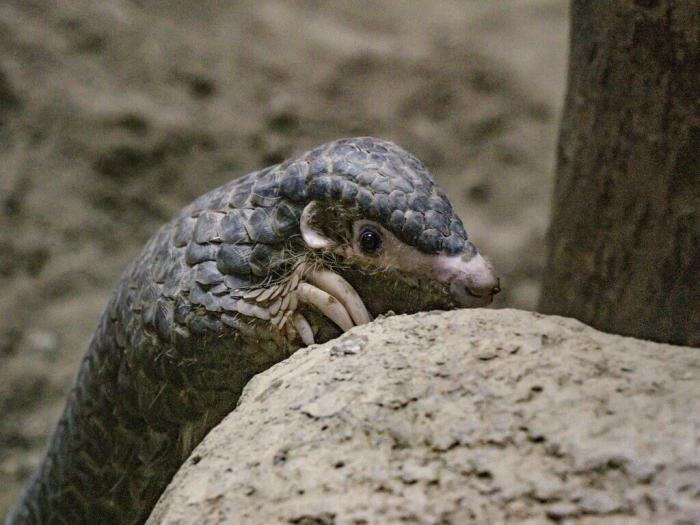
(115, 114)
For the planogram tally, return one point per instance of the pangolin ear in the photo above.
(312, 237)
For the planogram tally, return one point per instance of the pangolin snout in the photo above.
(473, 297)
(473, 281)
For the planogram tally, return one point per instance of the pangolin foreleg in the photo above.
(309, 285)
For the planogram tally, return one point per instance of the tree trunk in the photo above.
(624, 241)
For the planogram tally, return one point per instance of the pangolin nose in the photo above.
(476, 284)
(483, 289)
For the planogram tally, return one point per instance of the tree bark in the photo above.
(624, 239)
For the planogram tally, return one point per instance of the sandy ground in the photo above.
(115, 114)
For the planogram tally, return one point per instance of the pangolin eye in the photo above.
(370, 240)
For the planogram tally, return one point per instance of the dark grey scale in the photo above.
(372, 163)
(357, 157)
(402, 185)
(164, 319)
(219, 289)
(341, 142)
(437, 221)
(343, 147)
(118, 298)
(265, 258)
(457, 228)
(183, 231)
(377, 147)
(128, 300)
(233, 226)
(382, 205)
(207, 273)
(198, 253)
(181, 310)
(453, 244)
(418, 175)
(418, 202)
(265, 192)
(365, 142)
(161, 266)
(319, 166)
(430, 240)
(440, 204)
(349, 193)
(343, 166)
(148, 293)
(148, 315)
(240, 196)
(208, 227)
(396, 221)
(229, 304)
(285, 220)
(234, 258)
(397, 200)
(175, 276)
(413, 226)
(315, 153)
(219, 198)
(199, 295)
(382, 184)
(320, 187)
(377, 158)
(416, 164)
(237, 283)
(393, 163)
(365, 202)
(335, 187)
(293, 184)
(259, 227)
(367, 177)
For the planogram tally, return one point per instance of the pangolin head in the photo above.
(374, 214)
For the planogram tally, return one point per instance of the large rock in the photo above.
(479, 416)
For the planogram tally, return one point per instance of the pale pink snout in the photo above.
(473, 281)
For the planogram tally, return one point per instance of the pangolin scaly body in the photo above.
(237, 281)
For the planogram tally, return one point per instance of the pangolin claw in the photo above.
(303, 328)
(334, 285)
(334, 297)
(326, 304)
(323, 289)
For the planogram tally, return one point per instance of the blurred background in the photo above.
(115, 114)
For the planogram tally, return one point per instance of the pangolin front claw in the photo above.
(326, 304)
(323, 289)
(334, 297)
(303, 328)
(337, 287)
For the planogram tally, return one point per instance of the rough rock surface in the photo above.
(475, 416)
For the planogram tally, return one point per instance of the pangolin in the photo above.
(296, 253)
